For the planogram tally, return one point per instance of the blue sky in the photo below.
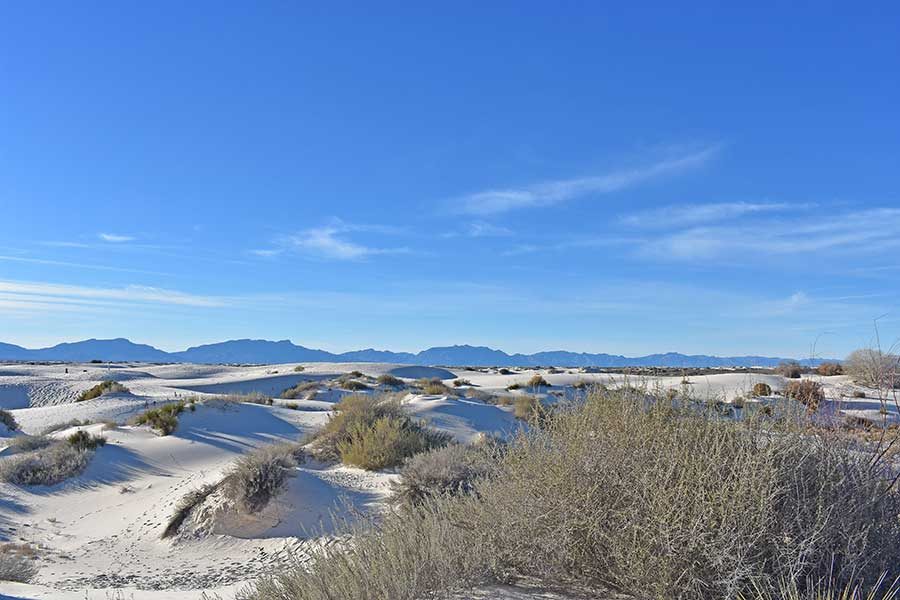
(529, 176)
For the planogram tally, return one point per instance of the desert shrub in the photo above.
(790, 369)
(505, 371)
(256, 477)
(531, 409)
(46, 466)
(537, 381)
(372, 433)
(354, 374)
(390, 380)
(459, 382)
(873, 368)
(163, 419)
(65, 425)
(27, 443)
(806, 391)
(354, 386)
(185, 505)
(555, 371)
(104, 387)
(9, 420)
(82, 440)
(433, 386)
(450, 470)
(582, 384)
(762, 389)
(248, 398)
(514, 386)
(292, 405)
(657, 500)
(17, 563)
(299, 369)
(830, 369)
(859, 394)
(300, 389)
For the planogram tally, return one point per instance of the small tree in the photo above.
(873, 368)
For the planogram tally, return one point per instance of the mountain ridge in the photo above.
(251, 351)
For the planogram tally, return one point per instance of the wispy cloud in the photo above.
(115, 238)
(75, 265)
(549, 193)
(860, 231)
(331, 242)
(44, 296)
(695, 214)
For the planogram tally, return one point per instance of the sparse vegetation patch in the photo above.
(105, 387)
(163, 419)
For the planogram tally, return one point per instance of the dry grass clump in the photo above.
(299, 369)
(257, 477)
(163, 419)
(451, 470)
(354, 386)
(27, 443)
(655, 499)
(245, 398)
(9, 420)
(185, 505)
(761, 389)
(514, 386)
(582, 384)
(830, 369)
(17, 563)
(806, 391)
(537, 381)
(528, 408)
(301, 389)
(790, 369)
(873, 368)
(389, 380)
(50, 464)
(104, 387)
(459, 382)
(372, 433)
(433, 386)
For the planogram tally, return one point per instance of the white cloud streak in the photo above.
(694, 214)
(548, 193)
(115, 238)
(37, 294)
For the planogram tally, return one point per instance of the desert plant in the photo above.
(830, 369)
(302, 388)
(104, 387)
(459, 382)
(27, 443)
(45, 466)
(451, 470)
(299, 369)
(82, 440)
(292, 405)
(514, 386)
(806, 391)
(372, 432)
(163, 419)
(17, 563)
(504, 371)
(537, 381)
(529, 408)
(354, 386)
(433, 386)
(256, 477)
(859, 394)
(873, 368)
(389, 380)
(762, 389)
(9, 420)
(660, 500)
(790, 369)
(185, 506)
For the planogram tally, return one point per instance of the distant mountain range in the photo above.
(267, 352)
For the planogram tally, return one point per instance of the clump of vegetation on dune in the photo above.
(301, 389)
(9, 420)
(806, 392)
(790, 369)
(451, 470)
(390, 380)
(372, 433)
(105, 387)
(256, 477)
(761, 389)
(17, 563)
(537, 381)
(163, 419)
(830, 369)
(656, 499)
(48, 462)
(433, 387)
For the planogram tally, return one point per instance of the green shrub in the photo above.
(9, 420)
(459, 382)
(257, 477)
(299, 369)
(806, 391)
(762, 389)
(292, 405)
(390, 380)
(163, 419)
(354, 386)
(105, 387)
(82, 440)
(433, 386)
(372, 432)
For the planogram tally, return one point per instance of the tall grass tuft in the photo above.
(104, 387)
